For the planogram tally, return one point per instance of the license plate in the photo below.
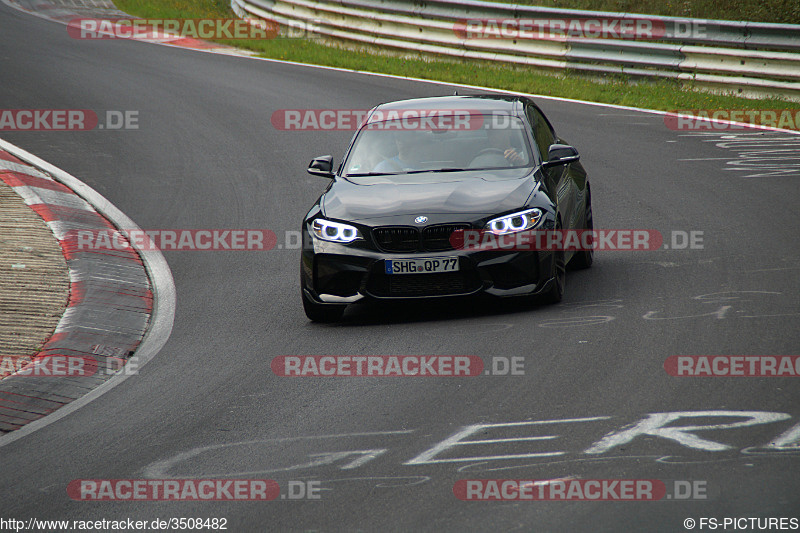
(422, 266)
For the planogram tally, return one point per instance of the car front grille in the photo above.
(400, 239)
(397, 238)
(437, 238)
(426, 284)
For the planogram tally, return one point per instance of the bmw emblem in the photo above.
(421, 219)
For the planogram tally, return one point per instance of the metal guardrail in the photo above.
(748, 58)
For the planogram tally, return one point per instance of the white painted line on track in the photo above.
(459, 439)
(160, 469)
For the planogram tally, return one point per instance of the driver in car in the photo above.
(407, 147)
(501, 140)
(502, 149)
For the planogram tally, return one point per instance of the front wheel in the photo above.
(559, 277)
(556, 291)
(321, 312)
(585, 258)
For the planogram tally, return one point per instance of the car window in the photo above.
(542, 131)
(486, 142)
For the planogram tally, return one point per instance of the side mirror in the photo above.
(560, 154)
(321, 166)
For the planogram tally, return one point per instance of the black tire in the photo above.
(585, 258)
(556, 291)
(321, 312)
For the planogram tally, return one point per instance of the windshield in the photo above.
(390, 147)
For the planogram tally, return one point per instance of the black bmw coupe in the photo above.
(417, 174)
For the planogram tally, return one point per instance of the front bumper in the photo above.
(336, 274)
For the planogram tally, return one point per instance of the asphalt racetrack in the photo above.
(208, 406)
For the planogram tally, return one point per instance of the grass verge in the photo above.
(663, 95)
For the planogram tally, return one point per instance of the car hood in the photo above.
(360, 199)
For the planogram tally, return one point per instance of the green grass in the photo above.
(179, 9)
(784, 11)
(663, 95)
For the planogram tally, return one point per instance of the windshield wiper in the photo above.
(447, 169)
(361, 174)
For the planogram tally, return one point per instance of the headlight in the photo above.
(334, 231)
(515, 222)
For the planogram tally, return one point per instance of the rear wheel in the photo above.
(585, 258)
(321, 312)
